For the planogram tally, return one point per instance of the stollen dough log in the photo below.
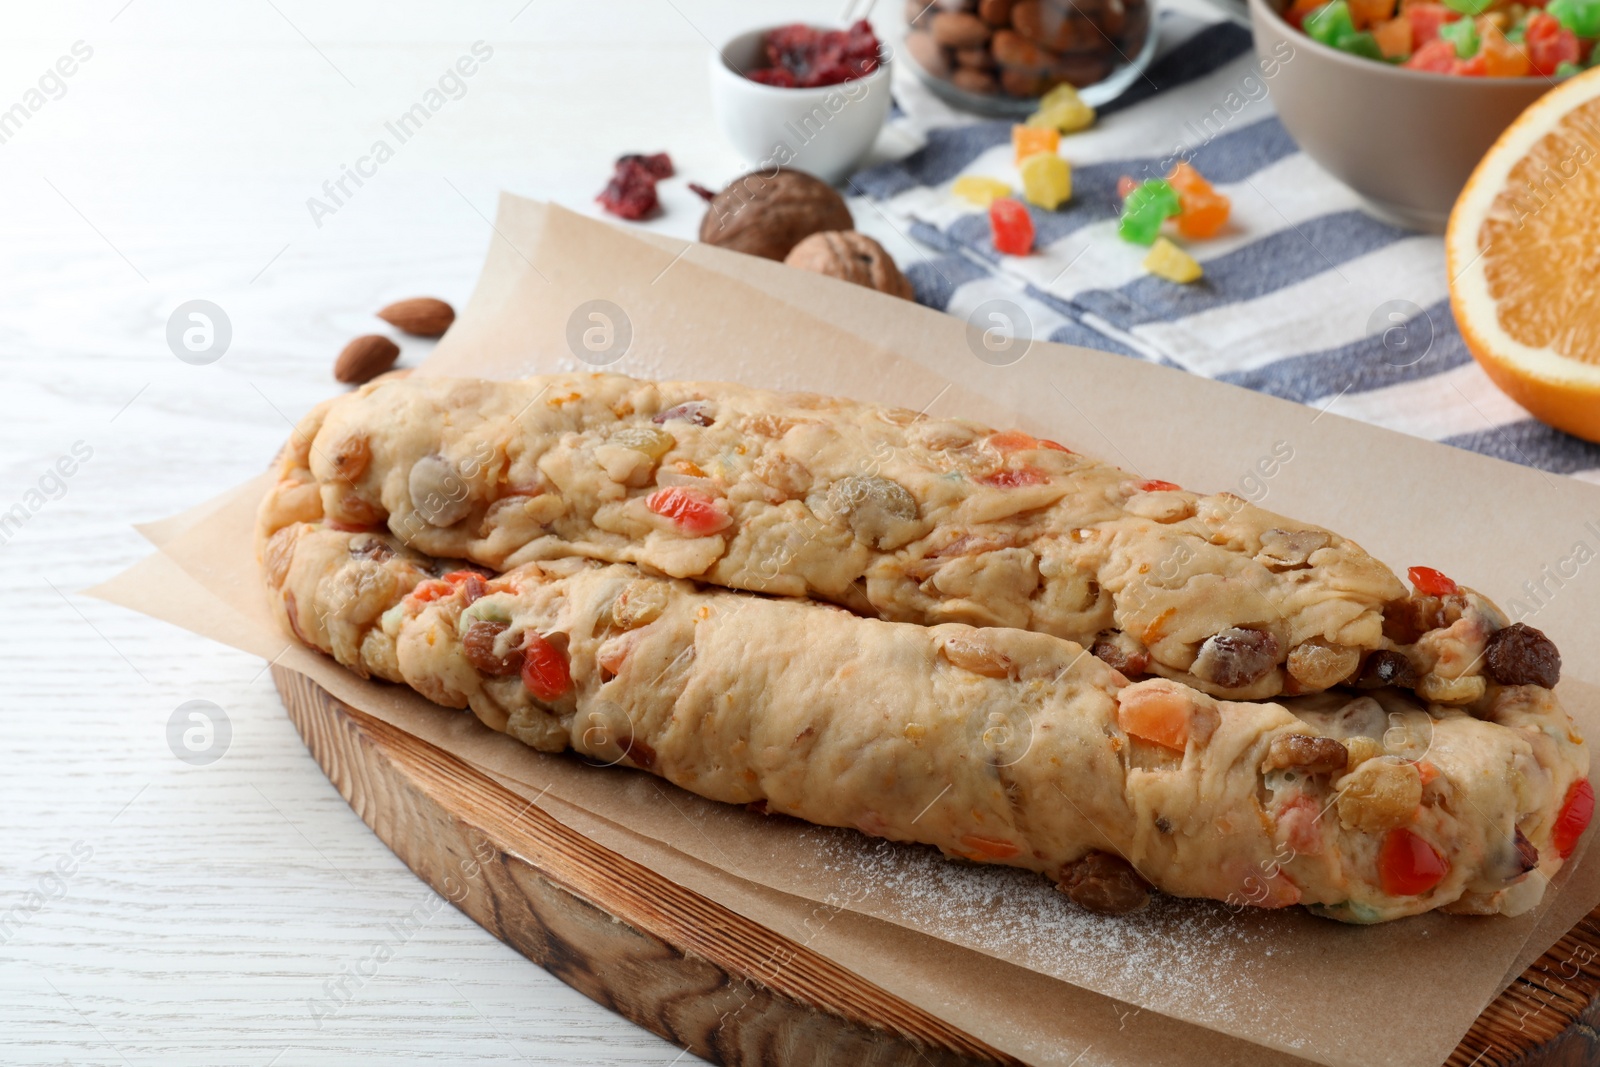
(888, 513)
(995, 745)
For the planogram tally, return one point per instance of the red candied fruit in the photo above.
(803, 57)
(1432, 582)
(1012, 226)
(1408, 866)
(544, 669)
(1548, 44)
(691, 510)
(1156, 485)
(1576, 811)
(1437, 56)
(1425, 20)
(631, 192)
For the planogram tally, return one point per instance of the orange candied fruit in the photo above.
(1031, 140)
(1203, 211)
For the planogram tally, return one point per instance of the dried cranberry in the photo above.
(659, 165)
(702, 192)
(1236, 657)
(631, 193)
(1521, 655)
(800, 56)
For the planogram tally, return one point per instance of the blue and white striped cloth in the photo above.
(1304, 296)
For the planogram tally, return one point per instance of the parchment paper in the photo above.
(1285, 981)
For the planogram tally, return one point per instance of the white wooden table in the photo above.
(154, 911)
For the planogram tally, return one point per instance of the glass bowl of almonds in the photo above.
(998, 57)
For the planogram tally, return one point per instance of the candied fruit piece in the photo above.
(1330, 23)
(1582, 17)
(1437, 56)
(1125, 185)
(1394, 38)
(980, 191)
(1030, 140)
(1046, 180)
(1012, 226)
(1203, 215)
(1062, 110)
(1145, 208)
(1167, 260)
(1549, 44)
(1202, 210)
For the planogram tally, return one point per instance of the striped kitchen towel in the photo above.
(1305, 296)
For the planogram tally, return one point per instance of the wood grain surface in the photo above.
(686, 967)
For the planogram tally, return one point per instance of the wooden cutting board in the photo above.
(679, 964)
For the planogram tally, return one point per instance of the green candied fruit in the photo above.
(1582, 17)
(1567, 70)
(1463, 33)
(1360, 44)
(1349, 911)
(1140, 227)
(1329, 23)
(1470, 8)
(1156, 193)
(1145, 208)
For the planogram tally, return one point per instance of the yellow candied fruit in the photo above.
(1030, 140)
(1046, 180)
(1062, 110)
(1167, 260)
(980, 191)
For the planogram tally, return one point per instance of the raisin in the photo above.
(659, 165)
(1311, 755)
(631, 192)
(1521, 655)
(696, 411)
(1236, 657)
(1121, 653)
(1527, 854)
(1105, 884)
(370, 547)
(874, 507)
(479, 646)
(1384, 668)
(640, 754)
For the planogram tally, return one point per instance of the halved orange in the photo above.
(1523, 250)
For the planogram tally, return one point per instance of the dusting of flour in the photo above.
(1198, 960)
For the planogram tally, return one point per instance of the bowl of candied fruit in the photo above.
(998, 57)
(805, 97)
(1399, 99)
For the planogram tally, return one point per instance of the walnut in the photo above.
(768, 214)
(852, 257)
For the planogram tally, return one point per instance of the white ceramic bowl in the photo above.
(825, 131)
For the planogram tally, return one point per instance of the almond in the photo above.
(420, 316)
(365, 358)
